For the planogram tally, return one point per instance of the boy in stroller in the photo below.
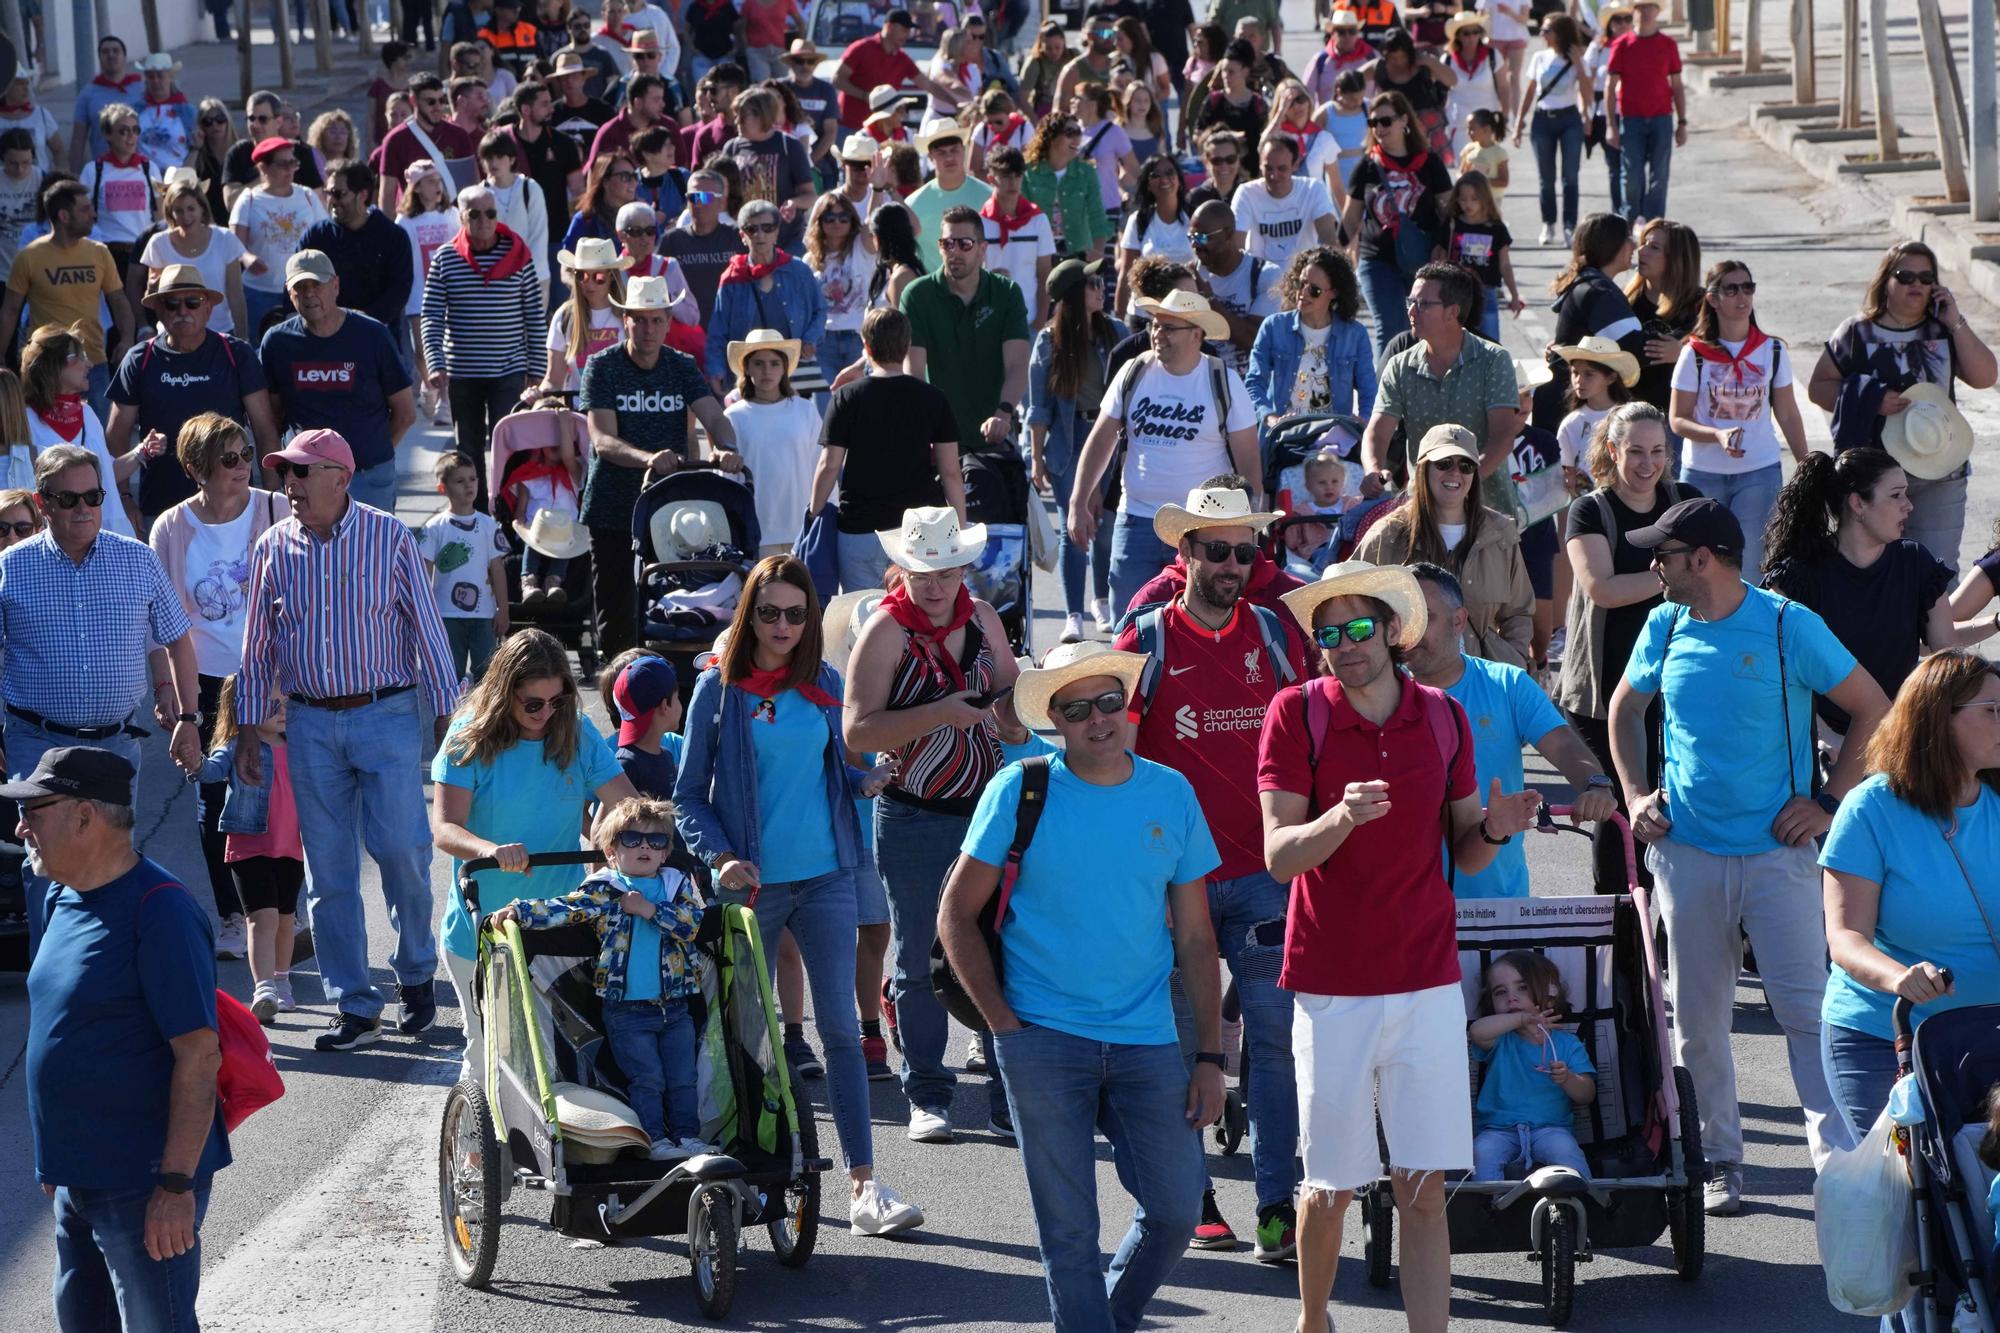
(646, 916)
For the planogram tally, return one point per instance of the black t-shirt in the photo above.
(887, 424)
(652, 774)
(1206, 191)
(168, 388)
(1593, 304)
(1247, 120)
(238, 169)
(774, 168)
(580, 124)
(1656, 383)
(1477, 246)
(548, 161)
(1387, 197)
(712, 31)
(1623, 623)
(1878, 613)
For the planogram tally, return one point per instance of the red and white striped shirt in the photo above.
(343, 616)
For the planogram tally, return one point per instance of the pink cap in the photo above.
(314, 446)
(266, 147)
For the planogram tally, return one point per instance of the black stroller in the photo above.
(695, 539)
(1955, 1055)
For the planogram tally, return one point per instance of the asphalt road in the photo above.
(329, 1220)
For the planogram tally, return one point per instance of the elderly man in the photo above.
(427, 134)
(167, 130)
(122, 1052)
(482, 322)
(268, 116)
(343, 622)
(370, 253)
(763, 289)
(704, 247)
(339, 370)
(79, 608)
(187, 369)
(944, 144)
(969, 333)
(114, 83)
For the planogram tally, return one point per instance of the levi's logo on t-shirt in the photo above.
(323, 375)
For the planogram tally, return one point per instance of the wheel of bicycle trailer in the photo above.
(1378, 1230)
(1229, 1127)
(795, 1230)
(469, 1185)
(1559, 1264)
(712, 1237)
(1687, 1225)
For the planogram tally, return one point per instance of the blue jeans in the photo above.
(1062, 1088)
(838, 348)
(821, 915)
(1248, 915)
(1385, 287)
(1646, 147)
(98, 394)
(535, 565)
(1525, 1146)
(1489, 318)
(375, 486)
(1860, 1070)
(359, 772)
(1552, 130)
(914, 851)
(472, 643)
(256, 305)
(1614, 171)
(104, 1277)
(1137, 557)
(1076, 563)
(26, 743)
(1751, 496)
(863, 562)
(655, 1044)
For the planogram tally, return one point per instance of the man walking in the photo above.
(703, 246)
(114, 82)
(1083, 1024)
(60, 278)
(1642, 90)
(879, 61)
(370, 253)
(427, 134)
(342, 620)
(1239, 286)
(1731, 829)
(547, 157)
(943, 144)
(122, 1052)
(969, 334)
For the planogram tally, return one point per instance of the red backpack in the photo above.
(247, 1080)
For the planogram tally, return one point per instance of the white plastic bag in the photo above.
(1861, 1210)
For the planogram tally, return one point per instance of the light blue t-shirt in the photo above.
(642, 965)
(520, 798)
(1027, 749)
(1517, 1089)
(1507, 711)
(1085, 946)
(1926, 911)
(789, 737)
(1726, 773)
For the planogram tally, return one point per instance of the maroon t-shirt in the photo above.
(871, 65)
(402, 148)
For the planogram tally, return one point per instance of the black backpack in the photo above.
(950, 991)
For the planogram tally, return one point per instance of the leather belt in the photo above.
(340, 703)
(78, 733)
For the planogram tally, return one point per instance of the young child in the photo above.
(1485, 154)
(467, 554)
(261, 846)
(1594, 389)
(1989, 1153)
(1346, 119)
(1326, 484)
(645, 916)
(646, 693)
(1535, 1074)
(1480, 242)
(552, 479)
(777, 435)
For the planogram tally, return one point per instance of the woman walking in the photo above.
(1665, 291)
(1589, 304)
(1067, 371)
(1555, 105)
(1312, 356)
(1392, 221)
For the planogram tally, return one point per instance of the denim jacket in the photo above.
(794, 307)
(245, 809)
(715, 796)
(595, 904)
(1063, 444)
(1274, 364)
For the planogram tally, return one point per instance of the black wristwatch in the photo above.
(1492, 841)
(1013, 413)
(173, 1182)
(1598, 782)
(188, 717)
(1211, 1058)
(1827, 803)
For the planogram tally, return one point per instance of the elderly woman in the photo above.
(1912, 876)
(515, 775)
(204, 544)
(764, 289)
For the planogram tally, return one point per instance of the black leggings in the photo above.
(227, 901)
(269, 882)
(1608, 847)
(611, 588)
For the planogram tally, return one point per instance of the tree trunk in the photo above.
(283, 39)
(1753, 36)
(1946, 109)
(1805, 78)
(1888, 147)
(246, 77)
(1850, 64)
(322, 22)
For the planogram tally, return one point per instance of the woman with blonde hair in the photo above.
(192, 237)
(1665, 290)
(588, 322)
(840, 252)
(958, 82)
(55, 375)
(332, 138)
(20, 516)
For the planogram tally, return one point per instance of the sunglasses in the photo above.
(835, 215)
(20, 529)
(962, 244)
(703, 197)
(623, 175)
(1076, 710)
(1662, 552)
(1464, 467)
(635, 231)
(769, 614)
(267, 119)
(1735, 289)
(184, 302)
(476, 213)
(1229, 161)
(1198, 238)
(284, 468)
(215, 120)
(1912, 278)
(1314, 290)
(659, 842)
(93, 498)
(231, 459)
(1357, 631)
(1217, 552)
(1384, 122)
(533, 706)
(759, 228)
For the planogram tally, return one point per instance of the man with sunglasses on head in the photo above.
(428, 134)
(369, 251)
(1239, 286)
(702, 245)
(969, 334)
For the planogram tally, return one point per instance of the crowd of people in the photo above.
(1318, 538)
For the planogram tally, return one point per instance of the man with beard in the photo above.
(548, 157)
(428, 133)
(1216, 661)
(369, 251)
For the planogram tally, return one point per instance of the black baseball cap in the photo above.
(1702, 522)
(899, 17)
(81, 771)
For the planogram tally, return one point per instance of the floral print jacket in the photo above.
(595, 903)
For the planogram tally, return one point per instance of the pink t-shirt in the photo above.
(281, 828)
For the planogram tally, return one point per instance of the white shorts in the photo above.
(1404, 1053)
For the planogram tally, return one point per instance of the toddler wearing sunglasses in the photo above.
(645, 914)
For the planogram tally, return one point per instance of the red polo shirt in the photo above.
(1642, 65)
(1377, 918)
(871, 65)
(1204, 721)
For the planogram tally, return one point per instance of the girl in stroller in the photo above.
(1535, 1074)
(549, 478)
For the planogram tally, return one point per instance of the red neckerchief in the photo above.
(742, 270)
(1719, 354)
(619, 36)
(1480, 54)
(1024, 213)
(128, 164)
(893, 134)
(770, 684)
(535, 469)
(119, 84)
(66, 417)
(1015, 120)
(17, 108)
(1302, 135)
(927, 638)
(1410, 168)
(509, 263)
(178, 97)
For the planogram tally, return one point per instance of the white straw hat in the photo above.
(930, 539)
(1394, 585)
(594, 254)
(1209, 507)
(553, 534)
(1066, 664)
(1930, 438)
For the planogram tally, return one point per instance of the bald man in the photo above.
(1241, 286)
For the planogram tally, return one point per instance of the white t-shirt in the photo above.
(218, 574)
(843, 285)
(604, 331)
(276, 227)
(126, 204)
(1723, 398)
(42, 436)
(1170, 424)
(1016, 259)
(18, 202)
(212, 263)
(428, 233)
(459, 550)
(40, 123)
(988, 143)
(1542, 66)
(1251, 290)
(1310, 391)
(780, 445)
(1277, 229)
(1502, 27)
(1573, 435)
(1451, 534)
(1167, 239)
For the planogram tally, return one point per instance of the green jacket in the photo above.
(1074, 204)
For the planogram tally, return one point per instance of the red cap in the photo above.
(314, 446)
(266, 147)
(642, 686)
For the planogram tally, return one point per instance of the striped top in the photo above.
(480, 329)
(943, 770)
(343, 616)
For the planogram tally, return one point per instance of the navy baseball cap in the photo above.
(80, 771)
(900, 17)
(641, 687)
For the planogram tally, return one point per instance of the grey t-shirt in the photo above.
(703, 258)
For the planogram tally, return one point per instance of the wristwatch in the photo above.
(1211, 1058)
(1012, 413)
(1827, 803)
(1598, 782)
(173, 1182)
(1492, 841)
(188, 717)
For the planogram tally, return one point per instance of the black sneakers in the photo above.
(348, 1031)
(419, 1008)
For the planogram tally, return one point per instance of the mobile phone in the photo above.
(990, 697)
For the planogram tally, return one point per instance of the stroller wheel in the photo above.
(469, 1185)
(1230, 1127)
(1378, 1229)
(712, 1237)
(1559, 1265)
(1687, 1225)
(795, 1227)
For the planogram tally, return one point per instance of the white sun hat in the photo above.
(1209, 507)
(930, 539)
(1930, 438)
(554, 534)
(1066, 664)
(1394, 585)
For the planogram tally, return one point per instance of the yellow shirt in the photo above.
(63, 286)
(1487, 161)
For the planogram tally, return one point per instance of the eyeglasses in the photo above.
(1464, 467)
(703, 197)
(1357, 631)
(1384, 122)
(231, 459)
(40, 806)
(1735, 289)
(659, 842)
(283, 468)
(1229, 161)
(768, 614)
(1414, 304)
(1990, 707)
(759, 228)
(1664, 552)
(533, 705)
(624, 174)
(474, 214)
(1912, 278)
(92, 498)
(1245, 553)
(1076, 710)
(21, 529)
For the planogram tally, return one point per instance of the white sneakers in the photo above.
(1100, 611)
(230, 941)
(669, 1150)
(1548, 233)
(264, 1003)
(928, 1126)
(880, 1212)
(1072, 628)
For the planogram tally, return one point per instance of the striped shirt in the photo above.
(76, 635)
(342, 616)
(480, 329)
(946, 769)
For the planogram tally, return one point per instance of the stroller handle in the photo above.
(468, 887)
(1899, 1023)
(1551, 813)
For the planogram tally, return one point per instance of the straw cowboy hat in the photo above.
(159, 62)
(568, 63)
(1531, 373)
(594, 254)
(1190, 306)
(645, 294)
(763, 340)
(930, 540)
(179, 280)
(645, 42)
(936, 129)
(1460, 22)
(554, 534)
(1392, 584)
(1209, 507)
(1610, 12)
(841, 624)
(596, 1126)
(1930, 438)
(803, 50)
(859, 147)
(1603, 352)
(1066, 664)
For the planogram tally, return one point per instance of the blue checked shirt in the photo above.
(76, 635)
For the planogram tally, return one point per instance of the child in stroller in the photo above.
(1535, 1073)
(542, 478)
(646, 916)
(1989, 1154)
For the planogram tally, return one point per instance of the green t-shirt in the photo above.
(962, 341)
(929, 204)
